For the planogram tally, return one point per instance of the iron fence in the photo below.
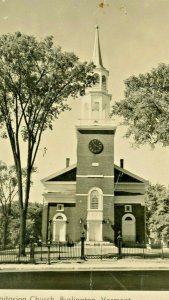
(57, 251)
(100, 251)
(51, 253)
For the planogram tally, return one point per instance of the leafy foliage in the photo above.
(36, 80)
(33, 229)
(157, 210)
(8, 191)
(145, 107)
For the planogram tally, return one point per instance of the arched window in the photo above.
(104, 81)
(97, 79)
(59, 218)
(128, 219)
(95, 199)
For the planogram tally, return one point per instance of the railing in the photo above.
(100, 251)
(62, 251)
(96, 122)
(58, 251)
(13, 255)
(51, 253)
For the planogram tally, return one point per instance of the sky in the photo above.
(134, 37)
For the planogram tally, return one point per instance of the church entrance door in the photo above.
(129, 228)
(94, 231)
(59, 228)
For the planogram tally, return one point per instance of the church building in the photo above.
(94, 197)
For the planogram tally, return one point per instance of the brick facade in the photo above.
(139, 213)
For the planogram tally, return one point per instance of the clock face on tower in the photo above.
(95, 146)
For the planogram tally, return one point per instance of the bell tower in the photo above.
(95, 106)
(95, 157)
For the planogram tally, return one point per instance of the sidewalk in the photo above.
(125, 264)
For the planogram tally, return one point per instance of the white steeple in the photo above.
(95, 105)
(97, 58)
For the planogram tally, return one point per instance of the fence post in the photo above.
(162, 252)
(143, 249)
(19, 254)
(119, 244)
(48, 245)
(82, 245)
(40, 244)
(59, 251)
(32, 253)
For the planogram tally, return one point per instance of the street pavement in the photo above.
(95, 265)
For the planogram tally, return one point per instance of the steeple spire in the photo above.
(97, 58)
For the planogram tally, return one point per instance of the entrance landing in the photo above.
(102, 243)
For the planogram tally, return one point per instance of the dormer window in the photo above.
(104, 81)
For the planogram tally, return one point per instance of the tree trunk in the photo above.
(5, 232)
(22, 235)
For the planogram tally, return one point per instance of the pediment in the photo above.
(69, 174)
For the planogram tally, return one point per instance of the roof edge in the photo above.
(75, 165)
(131, 174)
(58, 173)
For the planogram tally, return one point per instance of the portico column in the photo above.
(100, 232)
